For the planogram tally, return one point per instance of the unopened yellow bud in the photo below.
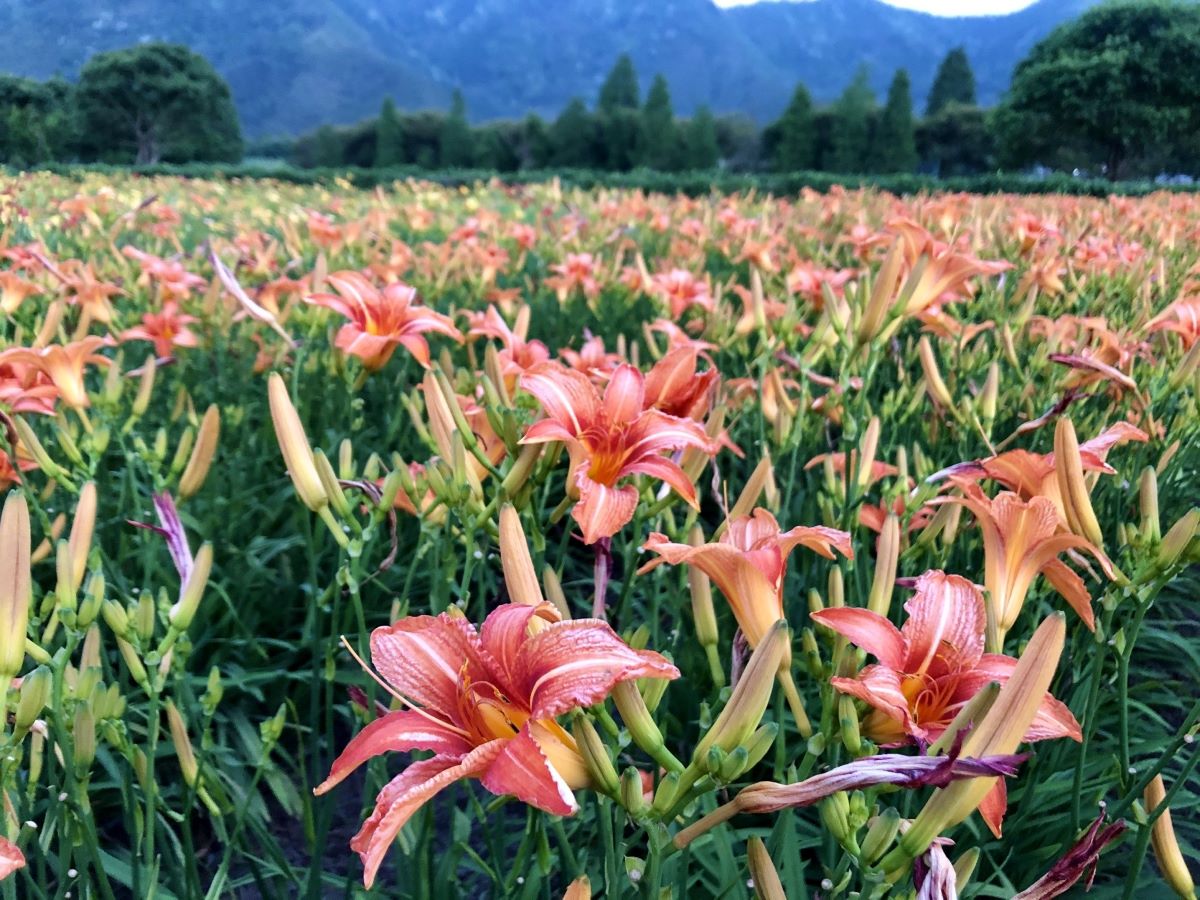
(1177, 538)
(329, 482)
(964, 868)
(116, 618)
(767, 885)
(581, 887)
(203, 452)
(746, 705)
(1068, 470)
(522, 466)
(35, 693)
(65, 588)
(184, 610)
(93, 599)
(28, 439)
(704, 615)
(989, 396)
(133, 662)
(881, 831)
(632, 797)
(183, 745)
(595, 756)
(642, 728)
(835, 816)
(1170, 859)
(882, 298)
(760, 482)
(16, 584)
(848, 720)
(297, 454)
(1188, 366)
(82, 529)
(84, 739)
(520, 577)
(868, 448)
(1148, 504)
(934, 384)
(886, 561)
(554, 592)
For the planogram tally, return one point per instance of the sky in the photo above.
(939, 7)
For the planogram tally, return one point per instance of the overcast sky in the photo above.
(940, 7)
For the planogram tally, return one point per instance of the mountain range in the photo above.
(295, 64)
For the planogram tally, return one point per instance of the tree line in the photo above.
(1113, 93)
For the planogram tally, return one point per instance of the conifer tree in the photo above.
(851, 138)
(953, 83)
(620, 88)
(795, 150)
(700, 147)
(455, 143)
(659, 139)
(895, 141)
(389, 136)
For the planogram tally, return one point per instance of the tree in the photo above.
(1114, 87)
(536, 149)
(389, 136)
(620, 88)
(700, 148)
(794, 134)
(156, 102)
(573, 137)
(894, 142)
(953, 83)
(659, 139)
(456, 146)
(957, 141)
(327, 151)
(851, 137)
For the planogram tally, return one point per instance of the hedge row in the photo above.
(690, 183)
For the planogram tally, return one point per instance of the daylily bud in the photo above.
(1187, 367)
(631, 792)
(757, 746)
(522, 466)
(581, 887)
(329, 482)
(520, 577)
(1068, 469)
(595, 756)
(880, 834)
(160, 444)
(964, 868)
(65, 589)
(746, 705)
(203, 452)
(184, 610)
(145, 388)
(761, 480)
(392, 485)
(143, 616)
(767, 885)
(82, 528)
(114, 380)
(637, 718)
(837, 589)
(554, 592)
(297, 454)
(835, 816)
(934, 384)
(989, 396)
(998, 734)
(16, 587)
(883, 296)
(653, 691)
(848, 720)
(84, 739)
(704, 617)
(886, 560)
(1167, 854)
(1177, 539)
(43, 550)
(115, 617)
(866, 454)
(346, 459)
(183, 450)
(133, 662)
(1148, 504)
(35, 692)
(29, 440)
(183, 745)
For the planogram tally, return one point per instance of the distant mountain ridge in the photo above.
(294, 64)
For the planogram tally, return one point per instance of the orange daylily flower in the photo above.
(25, 388)
(948, 271)
(485, 702)
(609, 437)
(1181, 317)
(749, 564)
(379, 320)
(932, 667)
(63, 364)
(592, 359)
(85, 290)
(518, 354)
(13, 291)
(673, 386)
(1021, 539)
(173, 279)
(681, 290)
(166, 330)
(576, 272)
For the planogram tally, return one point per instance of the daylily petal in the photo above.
(880, 688)
(867, 630)
(522, 770)
(577, 663)
(624, 396)
(422, 657)
(399, 730)
(11, 858)
(408, 792)
(1053, 718)
(1067, 582)
(566, 396)
(505, 631)
(993, 807)
(602, 511)
(663, 469)
(946, 621)
(817, 538)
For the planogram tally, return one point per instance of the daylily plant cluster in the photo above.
(531, 542)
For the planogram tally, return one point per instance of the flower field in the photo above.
(531, 542)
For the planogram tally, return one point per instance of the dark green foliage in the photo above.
(795, 143)
(536, 149)
(1115, 90)
(620, 138)
(894, 143)
(953, 83)
(156, 102)
(389, 136)
(700, 147)
(574, 138)
(620, 88)
(851, 138)
(957, 141)
(38, 121)
(660, 141)
(327, 147)
(456, 147)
